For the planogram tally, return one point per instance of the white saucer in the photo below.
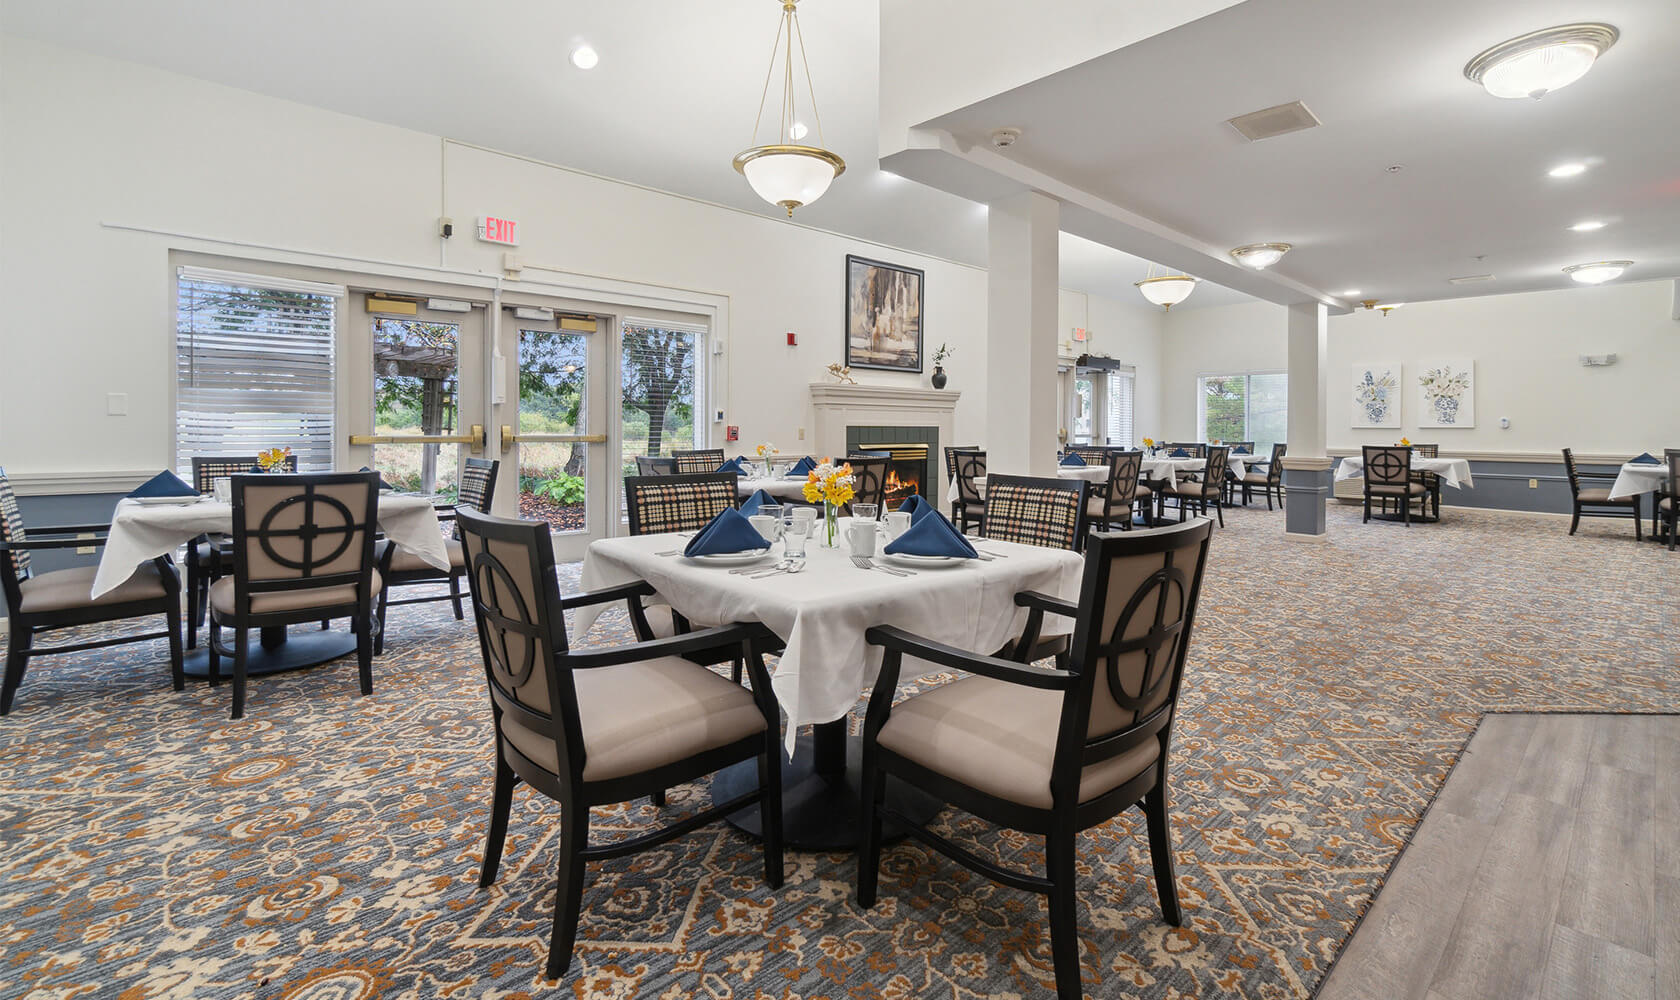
(165, 501)
(922, 562)
(733, 558)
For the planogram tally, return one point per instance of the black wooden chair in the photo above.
(1594, 501)
(1121, 494)
(1196, 449)
(1388, 480)
(1269, 482)
(1047, 512)
(968, 506)
(1089, 454)
(654, 465)
(1232, 484)
(951, 472)
(697, 461)
(209, 558)
(302, 552)
(1207, 491)
(1049, 752)
(1664, 505)
(576, 726)
(1429, 479)
(869, 481)
(42, 602)
(402, 568)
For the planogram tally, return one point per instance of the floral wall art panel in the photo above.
(1376, 394)
(1446, 393)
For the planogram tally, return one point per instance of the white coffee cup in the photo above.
(860, 537)
(805, 513)
(898, 522)
(769, 528)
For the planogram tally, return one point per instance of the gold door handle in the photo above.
(474, 439)
(509, 438)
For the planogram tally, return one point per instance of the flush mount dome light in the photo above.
(1540, 62)
(1260, 255)
(1598, 272)
(585, 57)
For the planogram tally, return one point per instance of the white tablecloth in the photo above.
(1089, 473)
(1455, 472)
(780, 487)
(822, 613)
(1633, 480)
(140, 532)
(1162, 468)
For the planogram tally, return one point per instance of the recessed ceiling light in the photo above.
(584, 57)
(1540, 62)
(1588, 226)
(1598, 272)
(1260, 255)
(1350, 293)
(1575, 169)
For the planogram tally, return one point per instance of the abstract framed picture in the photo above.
(883, 315)
(1446, 393)
(1376, 394)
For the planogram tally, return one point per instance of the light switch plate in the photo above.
(116, 404)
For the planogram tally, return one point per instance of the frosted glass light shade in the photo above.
(1540, 62)
(790, 176)
(1260, 255)
(1598, 272)
(1168, 290)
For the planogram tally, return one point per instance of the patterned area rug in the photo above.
(327, 845)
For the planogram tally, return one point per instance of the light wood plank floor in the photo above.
(1548, 867)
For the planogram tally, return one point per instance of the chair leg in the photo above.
(1575, 521)
(241, 650)
(177, 665)
(1367, 509)
(568, 894)
(1636, 529)
(213, 660)
(657, 798)
(364, 651)
(770, 807)
(384, 603)
(872, 793)
(17, 658)
(1160, 852)
(1064, 928)
(1219, 508)
(735, 668)
(193, 606)
(501, 801)
(455, 596)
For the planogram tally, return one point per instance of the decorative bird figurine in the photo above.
(842, 373)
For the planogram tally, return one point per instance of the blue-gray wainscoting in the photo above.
(1504, 486)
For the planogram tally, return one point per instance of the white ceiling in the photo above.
(669, 105)
(1143, 128)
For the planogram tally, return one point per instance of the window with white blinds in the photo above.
(253, 367)
(663, 381)
(1120, 386)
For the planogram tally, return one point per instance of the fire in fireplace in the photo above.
(905, 469)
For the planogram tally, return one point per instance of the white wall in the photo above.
(91, 140)
(1526, 347)
(1125, 332)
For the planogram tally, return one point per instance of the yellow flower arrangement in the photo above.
(1149, 442)
(768, 450)
(831, 486)
(273, 459)
(1405, 442)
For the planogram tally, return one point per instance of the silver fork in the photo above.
(864, 562)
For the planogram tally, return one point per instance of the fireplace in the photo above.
(912, 453)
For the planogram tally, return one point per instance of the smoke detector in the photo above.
(1003, 138)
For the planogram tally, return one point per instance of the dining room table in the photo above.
(142, 531)
(780, 487)
(820, 614)
(1454, 472)
(1634, 480)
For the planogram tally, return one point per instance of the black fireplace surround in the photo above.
(900, 440)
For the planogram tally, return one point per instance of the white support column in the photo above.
(1306, 467)
(1021, 417)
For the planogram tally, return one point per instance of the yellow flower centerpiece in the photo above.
(1405, 442)
(273, 459)
(831, 486)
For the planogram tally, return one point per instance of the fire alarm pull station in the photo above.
(793, 339)
(734, 433)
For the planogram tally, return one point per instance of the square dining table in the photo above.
(821, 615)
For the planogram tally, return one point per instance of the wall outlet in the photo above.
(116, 404)
(1534, 484)
(86, 550)
(801, 433)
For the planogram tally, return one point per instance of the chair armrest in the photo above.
(1044, 602)
(899, 641)
(50, 543)
(65, 529)
(676, 645)
(622, 592)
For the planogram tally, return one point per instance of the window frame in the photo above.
(1248, 398)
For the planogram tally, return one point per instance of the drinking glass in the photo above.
(795, 534)
(773, 509)
(865, 511)
(806, 514)
(222, 489)
(898, 522)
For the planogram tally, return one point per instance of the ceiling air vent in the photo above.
(1263, 124)
(1470, 279)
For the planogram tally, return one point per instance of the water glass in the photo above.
(866, 511)
(222, 489)
(796, 532)
(806, 514)
(898, 522)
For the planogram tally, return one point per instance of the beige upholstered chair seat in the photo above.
(221, 597)
(999, 738)
(639, 716)
(1667, 504)
(1194, 488)
(1256, 478)
(404, 561)
(1144, 492)
(1396, 489)
(1600, 494)
(73, 588)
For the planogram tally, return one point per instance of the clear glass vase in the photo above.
(831, 522)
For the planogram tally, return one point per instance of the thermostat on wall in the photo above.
(1597, 360)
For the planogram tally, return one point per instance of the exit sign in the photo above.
(494, 230)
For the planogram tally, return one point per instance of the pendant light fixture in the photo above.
(785, 172)
(1166, 290)
(1540, 62)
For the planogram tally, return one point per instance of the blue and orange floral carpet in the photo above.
(327, 845)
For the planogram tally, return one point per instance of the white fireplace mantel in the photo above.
(838, 406)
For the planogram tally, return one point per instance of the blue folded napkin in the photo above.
(802, 466)
(733, 465)
(1240, 451)
(164, 484)
(1072, 459)
(932, 535)
(1179, 453)
(382, 483)
(728, 532)
(1646, 458)
(751, 505)
(917, 507)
